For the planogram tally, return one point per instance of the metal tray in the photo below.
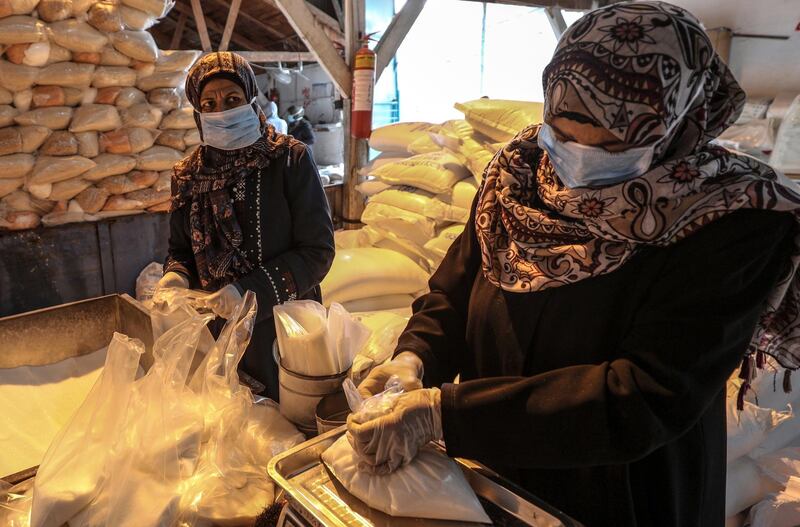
(317, 499)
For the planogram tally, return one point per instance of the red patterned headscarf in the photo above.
(204, 180)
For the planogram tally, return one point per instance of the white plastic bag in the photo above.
(385, 328)
(147, 281)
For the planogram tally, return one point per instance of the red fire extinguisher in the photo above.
(363, 92)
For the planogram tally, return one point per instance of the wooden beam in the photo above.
(337, 8)
(556, 19)
(356, 150)
(178, 34)
(303, 22)
(200, 23)
(253, 20)
(395, 33)
(324, 18)
(240, 40)
(278, 56)
(230, 23)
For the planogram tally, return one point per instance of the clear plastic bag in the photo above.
(15, 504)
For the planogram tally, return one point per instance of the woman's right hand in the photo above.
(173, 279)
(406, 366)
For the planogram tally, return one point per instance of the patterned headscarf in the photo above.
(632, 68)
(205, 178)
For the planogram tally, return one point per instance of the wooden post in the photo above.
(230, 23)
(200, 22)
(178, 34)
(356, 150)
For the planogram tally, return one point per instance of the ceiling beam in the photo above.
(200, 23)
(337, 8)
(303, 21)
(395, 33)
(177, 35)
(278, 56)
(235, 37)
(556, 19)
(230, 23)
(253, 20)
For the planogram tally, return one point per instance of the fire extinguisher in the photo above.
(363, 91)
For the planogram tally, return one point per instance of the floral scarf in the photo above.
(630, 68)
(205, 179)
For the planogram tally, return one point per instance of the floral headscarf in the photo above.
(205, 179)
(631, 68)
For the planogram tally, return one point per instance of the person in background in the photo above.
(248, 209)
(271, 111)
(616, 269)
(299, 127)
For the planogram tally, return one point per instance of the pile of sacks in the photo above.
(419, 193)
(763, 473)
(92, 113)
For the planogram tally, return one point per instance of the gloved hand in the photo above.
(173, 279)
(406, 366)
(223, 301)
(387, 442)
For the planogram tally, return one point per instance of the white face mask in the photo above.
(580, 165)
(232, 129)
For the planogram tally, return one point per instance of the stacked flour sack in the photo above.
(763, 454)
(92, 113)
(419, 191)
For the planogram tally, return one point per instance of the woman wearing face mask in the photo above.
(248, 209)
(616, 270)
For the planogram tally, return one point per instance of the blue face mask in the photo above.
(232, 129)
(580, 165)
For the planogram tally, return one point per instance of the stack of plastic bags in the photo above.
(759, 437)
(183, 445)
(92, 113)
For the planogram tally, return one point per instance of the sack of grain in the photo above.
(68, 189)
(9, 185)
(107, 95)
(136, 19)
(142, 115)
(48, 169)
(33, 137)
(161, 80)
(127, 140)
(7, 114)
(89, 96)
(438, 208)
(120, 203)
(92, 199)
(54, 10)
(67, 74)
(106, 17)
(40, 190)
(464, 194)
(172, 139)
(161, 207)
(77, 36)
(95, 117)
(436, 172)
(58, 54)
(131, 182)
(19, 221)
(149, 197)
(408, 225)
(499, 119)
(54, 117)
(87, 58)
(22, 100)
(60, 143)
(176, 60)
(48, 96)
(15, 166)
(31, 54)
(139, 45)
(143, 69)
(164, 181)
(17, 77)
(81, 7)
(107, 165)
(6, 97)
(158, 158)
(130, 96)
(165, 98)
(20, 29)
(105, 76)
(180, 119)
(10, 140)
(17, 7)
(154, 8)
(88, 144)
(21, 201)
(111, 57)
(383, 239)
(397, 137)
(192, 138)
(74, 214)
(437, 248)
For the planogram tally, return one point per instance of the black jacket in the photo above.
(302, 131)
(287, 203)
(606, 397)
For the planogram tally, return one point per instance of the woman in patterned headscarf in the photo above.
(248, 208)
(616, 270)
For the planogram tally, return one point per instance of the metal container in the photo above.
(300, 394)
(332, 412)
(316, 499)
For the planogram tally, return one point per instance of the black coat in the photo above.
(606, 397)
(287, 203)
(302, 131)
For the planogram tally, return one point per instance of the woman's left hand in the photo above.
(387, 442)
(224, 301)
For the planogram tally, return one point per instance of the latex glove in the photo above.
(224, 301)
(387, 442)
(173, 279)
(406, 366)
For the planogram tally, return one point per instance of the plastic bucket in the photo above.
(300, 394)
(332, 412)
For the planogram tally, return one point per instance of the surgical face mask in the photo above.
(232, 129)
(580, 165)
